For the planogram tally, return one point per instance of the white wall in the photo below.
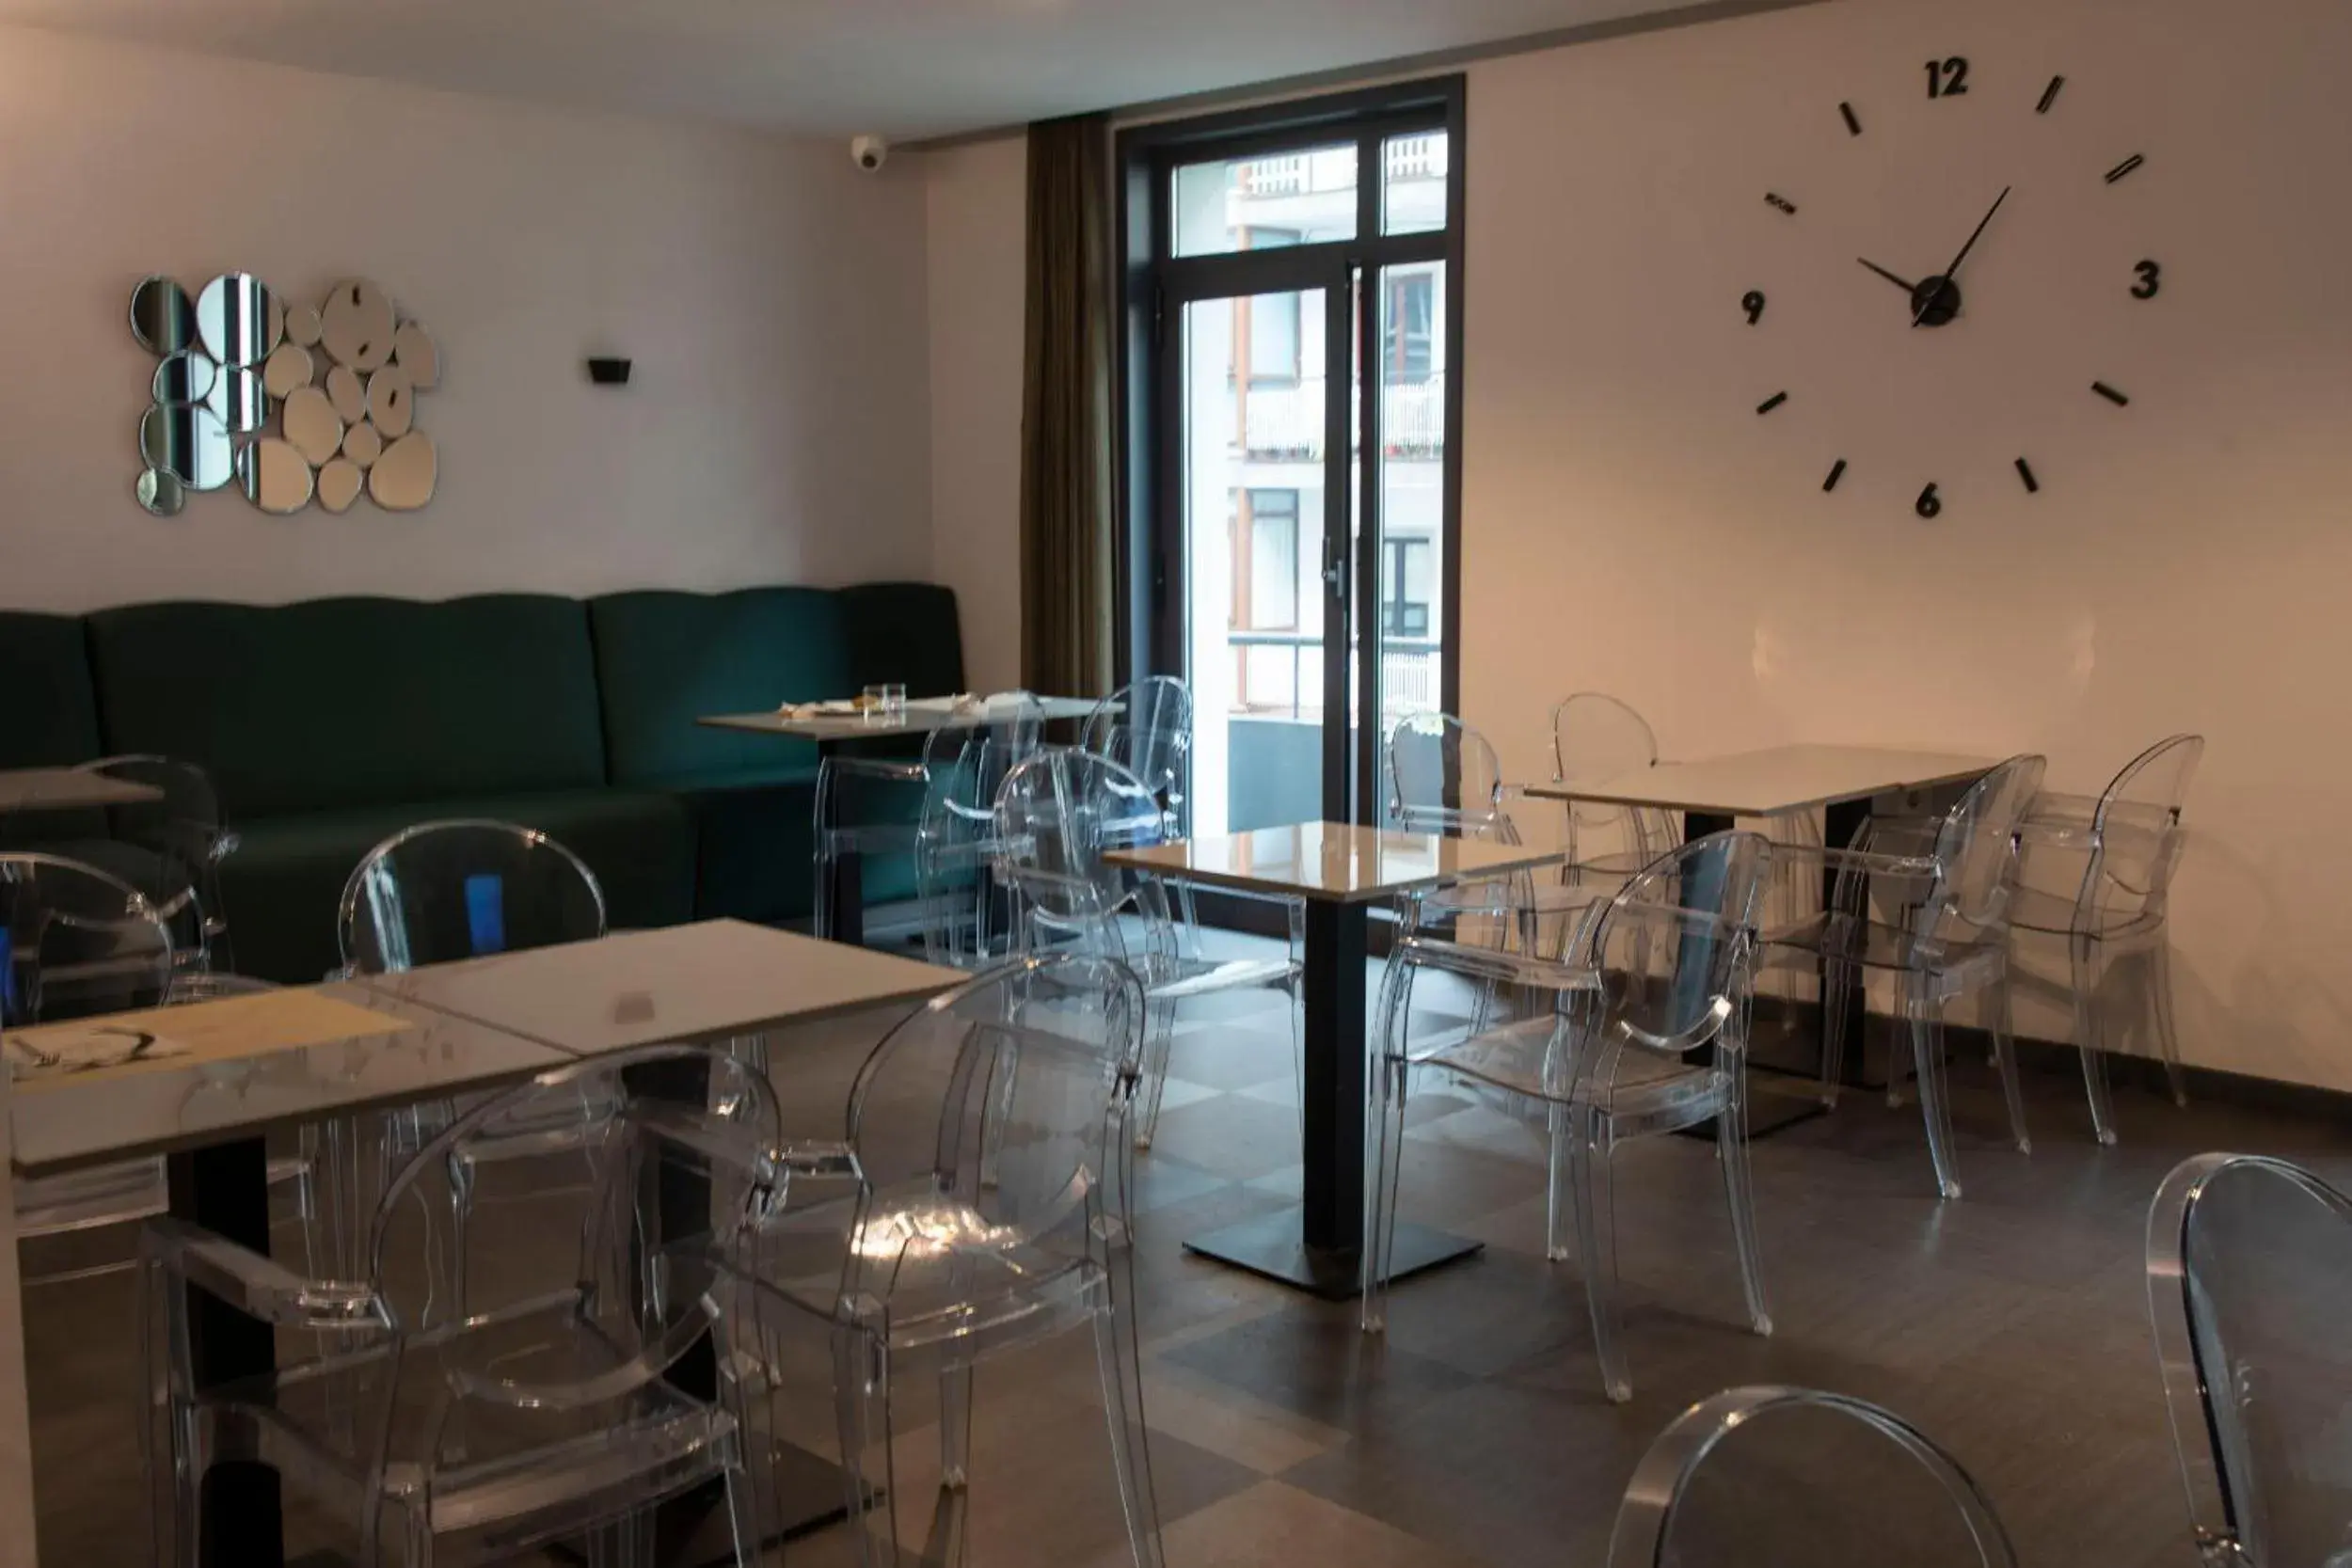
(772, 297)
(1630, 524)
(975, 199)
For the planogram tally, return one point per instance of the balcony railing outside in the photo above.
(1298, 173)
(1285, 423)
(1279, 674)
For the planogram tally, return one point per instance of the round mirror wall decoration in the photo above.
(163, 318)
(294, 402)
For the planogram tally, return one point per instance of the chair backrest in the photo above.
(184, 835)
(1147, 729)
(1674, 947)
(955, 840)
(443, 891)
(1008, 1096)
(1596, 736)
(2136, 828)
(1444, 778)
(1725, 1483)
(2250, 1272)
(76, 942)
(1975, 849)
(1057, 815)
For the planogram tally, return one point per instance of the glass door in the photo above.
(1293, 534)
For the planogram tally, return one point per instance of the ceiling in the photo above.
(903, 67)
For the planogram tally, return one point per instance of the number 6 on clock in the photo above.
(1930, 505)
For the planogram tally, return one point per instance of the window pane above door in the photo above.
(1282, 198)
(1413, 182)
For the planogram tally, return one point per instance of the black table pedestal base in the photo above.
(1271, 1246)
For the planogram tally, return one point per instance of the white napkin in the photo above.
(84, 1050)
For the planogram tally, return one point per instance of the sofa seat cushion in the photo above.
(283, 888)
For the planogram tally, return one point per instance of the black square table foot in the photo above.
(1270, 1246)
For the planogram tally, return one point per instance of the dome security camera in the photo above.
(869, 153)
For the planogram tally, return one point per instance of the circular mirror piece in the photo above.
(414, 351)
(237, 397)
(403, 478)
(302, 325)
(339, 484)
(162, 318)
(356, 324)
(188, 440)
(160, 491)
(238, 319)
(275, 478)
(348, 393)
(288, 367)
(309, 425)
(186, 376)
(391, 405)
(363, 445)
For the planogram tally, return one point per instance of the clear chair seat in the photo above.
(2051, 913)
(1646, 1086)
(460, 1467)
(1878, 946)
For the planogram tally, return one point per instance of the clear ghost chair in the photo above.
(1944, 934)
(847, 785)
(172, 850)
(1146, 727)
(1596, 736)
(2117, 951)
(2249, 1267)
(1445, 779)
(572, 1395)
(1057, 815)
(970, 918)
(438, 893)
(1598, 1050)
(1763, 1477)
(988, 1145)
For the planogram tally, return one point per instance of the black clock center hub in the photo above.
(1935, 301)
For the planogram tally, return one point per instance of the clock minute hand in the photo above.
(1953, 271)
(1904, 284)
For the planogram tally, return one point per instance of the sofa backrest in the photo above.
(905, 632)
(357, 702)
(665, 659)
(48, 711)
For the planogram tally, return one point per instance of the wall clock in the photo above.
(1920, 301)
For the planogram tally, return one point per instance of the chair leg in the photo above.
(1731, 1150)
(1935, 1109)
(1118, 1351)
(1386, 1135)
(955, 1428)
(824, 921)
(1159, 1037)
(2159, 961)
(1833, 983)
(2088, 976)
(1995, 1002)
(1596, 1244)
(861, 1382)
(1559, 1188)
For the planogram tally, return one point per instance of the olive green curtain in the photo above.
(1068, 463)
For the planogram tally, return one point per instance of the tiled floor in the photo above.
(2012, 1325)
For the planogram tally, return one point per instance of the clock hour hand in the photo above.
(1904, 283)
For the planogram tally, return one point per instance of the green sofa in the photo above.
(328, 726)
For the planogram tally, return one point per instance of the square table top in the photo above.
(922, 715)
(698, 984)
(1331, 862)
(1771, 781)
(68, 789)
(251, 1063)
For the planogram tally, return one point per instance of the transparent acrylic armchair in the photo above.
(1445, 779)
(1057, 815)
(989, 1145)
(2117, 952)
(1596, 736)
(438, 893)
(1834, 1480)
(1146, 727)
(1643, 1032)
(970, 918)
(847, 786)
(2249, 1268)
(1933, 913)
(568, 1398)
(176, 846)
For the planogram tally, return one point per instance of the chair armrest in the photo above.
(1486, 963)
(1867, 862)
(820, 1159)
(875, 767)
(257, 1286)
